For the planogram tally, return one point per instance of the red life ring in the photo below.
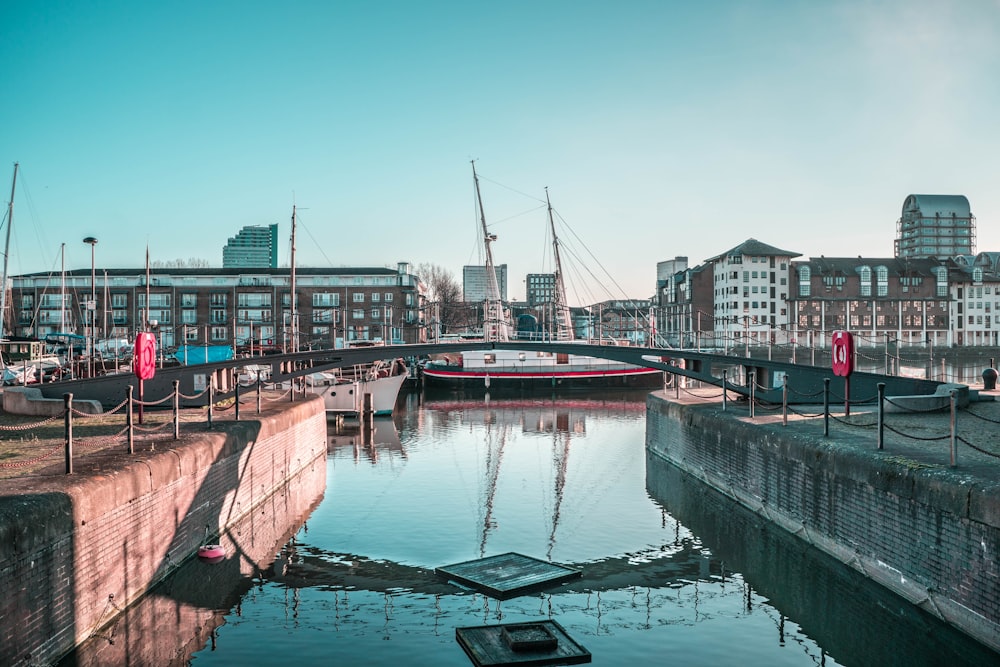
(212, 552)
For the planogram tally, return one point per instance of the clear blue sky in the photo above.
(661, 128)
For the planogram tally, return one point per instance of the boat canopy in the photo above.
(203, 354)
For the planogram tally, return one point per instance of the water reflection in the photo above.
(856, 622)
(667, 569)
(182, 615)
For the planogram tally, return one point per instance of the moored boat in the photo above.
(344, 389)
(499, 368)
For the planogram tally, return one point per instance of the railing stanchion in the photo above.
(258, 394)
(784, 401)
(129, 422)
(211, 399)
(826, 407)
(725, 397)
(177, 409)
(881, 415)
(752, 377)
(954, 430)
(68, 402)
(236, 405)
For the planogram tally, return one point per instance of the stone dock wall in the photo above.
(929, 533)
(77, 550)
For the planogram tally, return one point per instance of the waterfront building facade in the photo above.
(750, 285)
(253, 246)
(940, 226)
(228, 306)
(878, 299)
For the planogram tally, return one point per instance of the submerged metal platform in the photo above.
(532, 643)
(507, 575)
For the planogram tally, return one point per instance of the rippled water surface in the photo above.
(565, 480)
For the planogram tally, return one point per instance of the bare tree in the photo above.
(444, 289)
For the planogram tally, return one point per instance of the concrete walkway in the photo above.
(920, 439)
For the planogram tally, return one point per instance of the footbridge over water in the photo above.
(805, 382)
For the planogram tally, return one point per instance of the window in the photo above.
(326, 299)
(375, 297)
(388, 296)
(882, 278)
(865, 274)
(189, 300)
(376, 313)
(189, 317)
(358, 297)
(358, 314)
(219, 333)
(805, 276)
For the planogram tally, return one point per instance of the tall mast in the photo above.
(563, 322)
(294, 322)
(6, 253)
(62, 288)
(495, 323)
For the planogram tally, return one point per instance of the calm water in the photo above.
(567, 481)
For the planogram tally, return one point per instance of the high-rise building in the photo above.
(474, 283)
(255, 246)
(940, 226)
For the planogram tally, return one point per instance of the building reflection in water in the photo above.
(180, 616)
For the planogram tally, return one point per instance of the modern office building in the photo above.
(475, 284)
(254, 246)
(228, 306)
(940, 226)
(540, 289)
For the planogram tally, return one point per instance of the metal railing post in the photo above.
(752, 377)
(725, 382)
(258, 394)
(954, 431)
(177, 409)
(881, 415)
(211, 400)
(129, 422)
(826, 407)
(784, 401)
(236, 405)
(68, 402)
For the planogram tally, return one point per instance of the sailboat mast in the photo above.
(6, 253)
(62, 288)
(294, 322)
(495, 324)
(563, 323)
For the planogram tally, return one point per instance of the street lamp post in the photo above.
(91, 241)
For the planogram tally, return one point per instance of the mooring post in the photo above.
(881, 415)
(177, 409)
(954, 431)
(258, 394)
(68, 402)
(826, 407)
(129, 422)
(236, 405)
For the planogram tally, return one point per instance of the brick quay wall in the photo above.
(926, 531)
(76, 550)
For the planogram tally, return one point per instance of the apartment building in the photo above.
(229, 306)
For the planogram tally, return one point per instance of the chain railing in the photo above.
(71, 415)
(880, 401)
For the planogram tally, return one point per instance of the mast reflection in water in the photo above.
(568, 481)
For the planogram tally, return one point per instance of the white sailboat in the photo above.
(517, 369)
